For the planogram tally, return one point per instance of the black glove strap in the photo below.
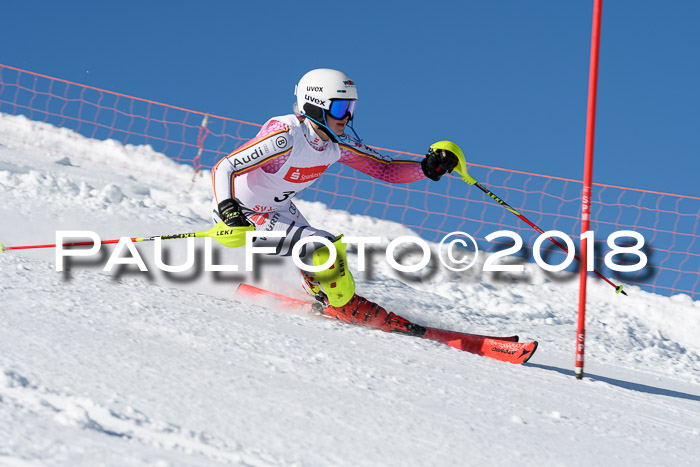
(230, 212)
(437, 163)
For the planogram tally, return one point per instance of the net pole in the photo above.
(587, 183)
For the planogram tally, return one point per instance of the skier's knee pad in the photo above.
(337, 281)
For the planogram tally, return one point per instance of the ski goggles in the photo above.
(340, 108)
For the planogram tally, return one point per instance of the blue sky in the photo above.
(506, 80)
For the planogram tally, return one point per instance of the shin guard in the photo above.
(336, 281)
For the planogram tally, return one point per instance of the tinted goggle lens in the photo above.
(342, 107)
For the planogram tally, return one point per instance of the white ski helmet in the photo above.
(324, 91)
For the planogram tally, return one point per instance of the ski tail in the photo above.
(256, 296)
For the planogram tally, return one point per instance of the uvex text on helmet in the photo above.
(318, 87)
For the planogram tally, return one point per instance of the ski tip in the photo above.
(534, 348)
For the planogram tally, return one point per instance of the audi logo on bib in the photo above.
(304, 174)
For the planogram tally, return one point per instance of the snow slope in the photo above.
(133, 368)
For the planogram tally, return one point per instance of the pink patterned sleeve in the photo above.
(371, 163)
(245, 158)
(272, 164)
(275, 164)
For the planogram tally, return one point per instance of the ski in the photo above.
(250, 293)
(505, 349)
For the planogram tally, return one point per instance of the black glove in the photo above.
(230, 212)
(437, 163)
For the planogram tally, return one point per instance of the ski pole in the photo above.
(228, 236)
(462, 170)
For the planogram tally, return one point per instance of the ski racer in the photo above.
(255, 185)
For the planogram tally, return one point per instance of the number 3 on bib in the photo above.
(285, 195)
